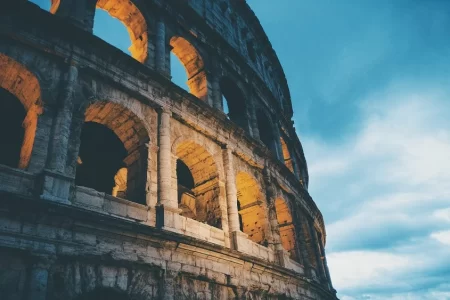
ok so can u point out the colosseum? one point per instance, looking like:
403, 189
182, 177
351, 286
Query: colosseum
115, 183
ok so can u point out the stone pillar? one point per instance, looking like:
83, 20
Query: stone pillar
325, 264
315, 243
63, 122
295, 164
165, 162
160, 47
272, 215
56, 183
151, 50
216, 100
301, 228
174, 177
233, 215
277, 140
37, 285
41, 140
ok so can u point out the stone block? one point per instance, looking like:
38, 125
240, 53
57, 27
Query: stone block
86, 197
85, 238
115, 208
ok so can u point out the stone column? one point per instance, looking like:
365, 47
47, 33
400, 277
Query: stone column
233, 215
56, 183
37, 285
160, 47
174, 177
325, 264
295, 164
216, 102
151, 50
272, 215
302, 230
63, 122
317, 254
277, 137
41, 140
165, 162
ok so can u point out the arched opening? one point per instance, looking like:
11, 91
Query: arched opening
250, 207
194, 66
266, 131
178, 72
12, 115
186, 194
130, 17
234, 102
100, 158
198, 184
127, 23
113, 153
19, 109
287, 230
286, 155
104, 294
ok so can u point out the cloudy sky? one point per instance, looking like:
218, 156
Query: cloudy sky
370, 83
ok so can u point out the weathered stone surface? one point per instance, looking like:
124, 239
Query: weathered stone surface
127, 223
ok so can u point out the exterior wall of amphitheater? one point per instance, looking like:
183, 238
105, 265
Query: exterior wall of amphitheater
247, 229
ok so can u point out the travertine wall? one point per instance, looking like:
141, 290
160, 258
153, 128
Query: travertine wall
63, 241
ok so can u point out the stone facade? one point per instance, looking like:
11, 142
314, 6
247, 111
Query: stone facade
125, 186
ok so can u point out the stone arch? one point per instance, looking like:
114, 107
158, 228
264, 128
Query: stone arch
23, 85
236, 102
252, 211
193, 64
286, 227
287, 158
122, 130
54, 6
130, 16
200, 203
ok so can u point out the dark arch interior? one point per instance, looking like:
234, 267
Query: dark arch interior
235, 101
265, 131
104, 294
101, 156
184, 175
12, 114
185, 180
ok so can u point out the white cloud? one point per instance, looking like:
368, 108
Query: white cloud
387, 194
442, 215
356, 269
442, 236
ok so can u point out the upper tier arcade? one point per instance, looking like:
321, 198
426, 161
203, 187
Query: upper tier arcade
116, 181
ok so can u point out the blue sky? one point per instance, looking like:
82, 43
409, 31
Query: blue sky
370, 85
